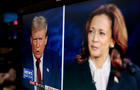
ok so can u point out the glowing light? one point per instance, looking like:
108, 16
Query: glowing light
9, 17
15, 22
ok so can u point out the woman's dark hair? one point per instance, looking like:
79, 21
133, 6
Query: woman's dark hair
119, 32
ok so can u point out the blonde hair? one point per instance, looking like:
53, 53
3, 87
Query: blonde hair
39, 23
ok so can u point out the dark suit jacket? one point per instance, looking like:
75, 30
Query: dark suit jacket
50, 61
78, 77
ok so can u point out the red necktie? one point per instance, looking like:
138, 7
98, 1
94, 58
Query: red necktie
38, 74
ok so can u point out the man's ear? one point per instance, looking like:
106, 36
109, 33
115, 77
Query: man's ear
46, 39
31, 39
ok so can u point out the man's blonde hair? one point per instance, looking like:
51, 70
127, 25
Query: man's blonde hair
39, 23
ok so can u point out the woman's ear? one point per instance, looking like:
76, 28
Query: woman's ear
112, 44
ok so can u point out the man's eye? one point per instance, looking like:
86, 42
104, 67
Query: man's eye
40, 38
34, 39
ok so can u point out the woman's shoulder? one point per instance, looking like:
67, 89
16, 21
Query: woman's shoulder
71, 67
74, 76
74, 69
132, 74
132, 69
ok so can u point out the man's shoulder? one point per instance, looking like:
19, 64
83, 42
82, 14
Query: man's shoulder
51, 57
50, 53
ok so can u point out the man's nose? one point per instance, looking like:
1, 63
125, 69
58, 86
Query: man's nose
38, 43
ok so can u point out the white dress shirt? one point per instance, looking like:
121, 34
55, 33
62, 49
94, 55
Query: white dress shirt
100, 76
35, 69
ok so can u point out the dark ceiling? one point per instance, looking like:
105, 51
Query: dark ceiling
14, 5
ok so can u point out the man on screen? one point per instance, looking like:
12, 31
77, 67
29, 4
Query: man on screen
43, 63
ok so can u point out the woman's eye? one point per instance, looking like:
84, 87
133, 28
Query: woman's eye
102, 33
90, 31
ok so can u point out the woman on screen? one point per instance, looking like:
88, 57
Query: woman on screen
101, 65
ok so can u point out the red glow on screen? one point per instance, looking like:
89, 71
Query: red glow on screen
15, 22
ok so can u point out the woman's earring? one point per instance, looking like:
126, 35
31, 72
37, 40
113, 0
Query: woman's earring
112, 46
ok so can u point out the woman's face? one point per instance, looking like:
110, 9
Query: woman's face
100, 36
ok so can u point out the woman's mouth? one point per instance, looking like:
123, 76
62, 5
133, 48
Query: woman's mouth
94, 47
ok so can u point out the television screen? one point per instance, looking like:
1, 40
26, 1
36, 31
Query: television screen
44, 43
86, 46
64, 42
77, 14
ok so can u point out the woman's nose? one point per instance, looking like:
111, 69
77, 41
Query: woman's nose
95, 37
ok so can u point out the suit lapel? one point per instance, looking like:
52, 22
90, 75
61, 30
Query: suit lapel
112, 85
88, 78
51, 75
87, 75
110, 81
47, 69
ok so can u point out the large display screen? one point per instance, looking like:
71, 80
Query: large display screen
64, 41
52, 53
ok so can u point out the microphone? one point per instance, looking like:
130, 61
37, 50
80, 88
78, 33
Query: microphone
42, 86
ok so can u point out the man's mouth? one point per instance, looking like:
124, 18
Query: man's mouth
37, 52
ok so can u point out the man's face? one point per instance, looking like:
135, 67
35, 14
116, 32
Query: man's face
38, 42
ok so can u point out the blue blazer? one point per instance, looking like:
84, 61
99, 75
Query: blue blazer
78, 77
51, 69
